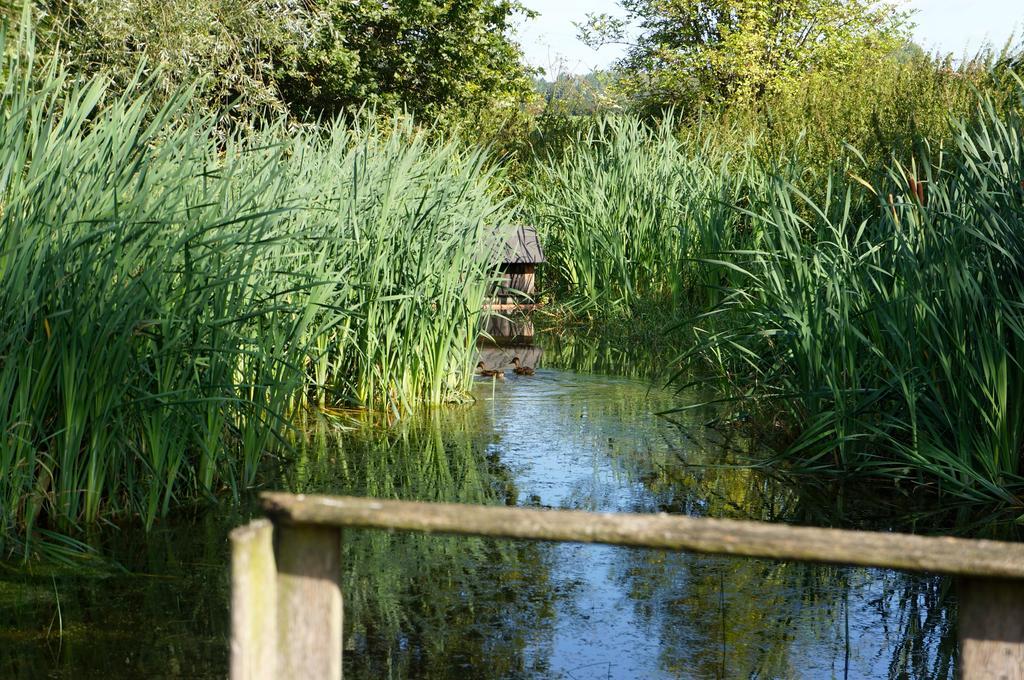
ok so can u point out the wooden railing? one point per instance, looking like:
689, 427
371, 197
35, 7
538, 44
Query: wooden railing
286, 601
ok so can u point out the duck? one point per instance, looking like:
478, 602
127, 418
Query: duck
520, 369
490, 372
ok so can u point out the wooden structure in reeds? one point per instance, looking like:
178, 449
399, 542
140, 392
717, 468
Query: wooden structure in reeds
517, 285
286, 600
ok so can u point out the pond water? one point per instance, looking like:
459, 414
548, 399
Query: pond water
439, 607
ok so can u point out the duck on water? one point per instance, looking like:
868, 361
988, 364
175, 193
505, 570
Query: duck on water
520, 368
490, 372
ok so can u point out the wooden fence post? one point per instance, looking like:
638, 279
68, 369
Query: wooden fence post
309, 625
308, 631
253, 602
991, 628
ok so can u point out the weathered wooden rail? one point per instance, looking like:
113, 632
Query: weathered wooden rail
286, 601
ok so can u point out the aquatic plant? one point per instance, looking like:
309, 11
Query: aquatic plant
406, 592
884, 320
169, 297
625, 211
867, 309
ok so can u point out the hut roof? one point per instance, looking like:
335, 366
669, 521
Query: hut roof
523, 246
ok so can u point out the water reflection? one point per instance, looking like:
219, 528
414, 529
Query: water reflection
507, 337
428, 606
580, 442
165, 617
422, 606
590, 350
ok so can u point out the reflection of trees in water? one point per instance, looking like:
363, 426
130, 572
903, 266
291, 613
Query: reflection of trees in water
778, 617
422, 606
415, 605
167, 616
430, 606
722, 617
438, 606
761, 618
924, 629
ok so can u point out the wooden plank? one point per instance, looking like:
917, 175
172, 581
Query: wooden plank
309, 614
942, 555
991, 629
511, 307
253, 602
523, 246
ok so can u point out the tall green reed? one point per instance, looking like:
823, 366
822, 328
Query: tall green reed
883, 317
628, 208
868, 304
169, 296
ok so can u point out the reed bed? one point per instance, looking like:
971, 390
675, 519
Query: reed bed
170, 297
626, 210
869, 315
886, 319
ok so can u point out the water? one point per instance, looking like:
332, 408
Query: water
419, 606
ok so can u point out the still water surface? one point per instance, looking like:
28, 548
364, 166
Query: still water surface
448, 607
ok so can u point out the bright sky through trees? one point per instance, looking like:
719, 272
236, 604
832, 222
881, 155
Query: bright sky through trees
947, 25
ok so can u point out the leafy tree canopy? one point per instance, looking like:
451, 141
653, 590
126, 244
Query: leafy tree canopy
426, 55
571, 94
309, 58
229, 44
694, 51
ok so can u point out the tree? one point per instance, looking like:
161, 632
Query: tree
228, 45
577, 95
312, 59
690, 52
425, 55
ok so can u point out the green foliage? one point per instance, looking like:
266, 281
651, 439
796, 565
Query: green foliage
578, 95
692, 52
311, 60
885, 320
628, 206
428, 56
229, 45
864, 305
882, 109
170, 297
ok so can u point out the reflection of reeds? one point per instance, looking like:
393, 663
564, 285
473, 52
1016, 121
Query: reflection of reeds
430, 456
417, 604
168, 298
414, 605
778, 619
635, 349
775, 619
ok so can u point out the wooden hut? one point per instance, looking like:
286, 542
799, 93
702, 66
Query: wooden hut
516, 287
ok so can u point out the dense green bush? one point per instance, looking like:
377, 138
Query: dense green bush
881, 110
257, 59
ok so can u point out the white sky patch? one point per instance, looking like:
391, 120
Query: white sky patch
957, 26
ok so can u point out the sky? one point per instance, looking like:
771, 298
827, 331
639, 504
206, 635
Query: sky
956, 26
